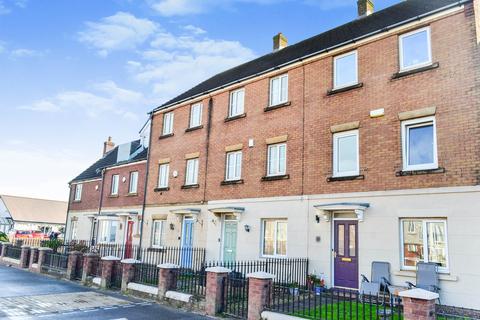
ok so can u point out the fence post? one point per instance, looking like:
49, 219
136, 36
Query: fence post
128, 272
72, 264
107, 271
24, 255
167, 278
259, 293
90, 262
41, 257
4, 248
33, 257
418, 304
215, 289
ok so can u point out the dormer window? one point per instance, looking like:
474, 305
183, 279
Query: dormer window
415, 49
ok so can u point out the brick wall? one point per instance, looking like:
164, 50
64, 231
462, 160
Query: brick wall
90, 196
124, 198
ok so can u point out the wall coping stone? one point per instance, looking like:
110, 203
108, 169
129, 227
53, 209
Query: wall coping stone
74, 252
91, 254
179, 296
420, 294
97, 281
261, 275
218, 270
130, 261
111, 258
45, 249
142, 288
168, 266
11, 260
269, 315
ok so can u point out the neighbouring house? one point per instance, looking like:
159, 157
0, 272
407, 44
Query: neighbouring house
106, 199
29, 214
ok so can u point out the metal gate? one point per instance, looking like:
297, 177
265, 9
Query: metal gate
235, 296
79, 268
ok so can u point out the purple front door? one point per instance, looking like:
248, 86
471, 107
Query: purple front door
346, 254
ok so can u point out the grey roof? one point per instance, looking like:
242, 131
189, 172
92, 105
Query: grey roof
380, 21
110, 159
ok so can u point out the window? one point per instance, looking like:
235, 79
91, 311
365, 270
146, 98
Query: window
277, 159
115, 180
345, 70
279, 90
78, 192
234, 166
345, 154
158, 233
237, 100
424, 241
415, 49
108, 231
191, 176
163, 173
274, 238
73, 229
167, 123
196, 115
419, 144
132, 188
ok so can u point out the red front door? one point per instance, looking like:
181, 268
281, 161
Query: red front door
128, 240
346, 254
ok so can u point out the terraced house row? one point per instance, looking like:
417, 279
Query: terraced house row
359, 144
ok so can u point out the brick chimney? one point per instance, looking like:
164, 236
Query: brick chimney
365, 8
108, 145
279, 42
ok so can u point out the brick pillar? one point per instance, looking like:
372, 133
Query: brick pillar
73, 257
259, 293
24, 256
418, 304
4, 248
90, 263
41, 257
167, 278
107, 271
33, 259
128, 272
215, 289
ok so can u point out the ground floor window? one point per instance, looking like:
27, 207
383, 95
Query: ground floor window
107, 231
274, 237
158, 233
73, 230
424, 240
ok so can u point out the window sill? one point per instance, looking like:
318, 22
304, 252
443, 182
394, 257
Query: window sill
191, 186
230, 182
76, 201
132, 195
277, 106
113, 196
273, 178
406, 73
344, 89
164, 136
445, 276
194, 128
403, 173
161, 189
346, 178
240, 116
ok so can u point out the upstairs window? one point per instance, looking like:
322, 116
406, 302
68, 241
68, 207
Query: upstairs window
167, 123
274, 238
419, 144
345, 154
191, 176
279, 90
345, 70
78, 192
234, 166
133, 187
158, 233
115, 181
415, 49
277, 159
163, 172
196, 115
237, 100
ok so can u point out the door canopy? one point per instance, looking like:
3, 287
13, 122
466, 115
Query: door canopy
327, 209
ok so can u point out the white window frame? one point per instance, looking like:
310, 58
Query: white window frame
425, 243
280, 77
233, 156
73, 229
167, 123
162, 178
196, 115
107, 229
115, 185
276, 221
194, 175
162, 233
336, 137
133, 182
234, 106
429, 45
277, 171
406, 139
78, 192
335, 59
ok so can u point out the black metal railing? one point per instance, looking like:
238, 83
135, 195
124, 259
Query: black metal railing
13, 252
191, 282
189, 258
333, 304
55, 262
235, 297
146, 274
79, 267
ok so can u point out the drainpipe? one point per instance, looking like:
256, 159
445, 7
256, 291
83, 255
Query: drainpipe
207, 147
68, 211
99, 207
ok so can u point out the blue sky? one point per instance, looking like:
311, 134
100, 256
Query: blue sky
74, 72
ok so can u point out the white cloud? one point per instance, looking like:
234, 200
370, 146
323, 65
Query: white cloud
4, 9
193, 29
25, 53
179, 7
118, 32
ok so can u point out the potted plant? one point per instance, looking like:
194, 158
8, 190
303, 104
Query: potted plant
319, 286
311, 279
293, 289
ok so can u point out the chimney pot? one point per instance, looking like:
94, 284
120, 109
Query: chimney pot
365, 7
279, 42
108, 145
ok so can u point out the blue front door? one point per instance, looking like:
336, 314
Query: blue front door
187, 243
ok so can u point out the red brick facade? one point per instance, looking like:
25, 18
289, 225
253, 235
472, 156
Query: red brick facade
90, 199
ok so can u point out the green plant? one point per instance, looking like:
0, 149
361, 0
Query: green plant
53, 244
3, 237
294, 285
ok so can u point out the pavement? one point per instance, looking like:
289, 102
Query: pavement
26, 295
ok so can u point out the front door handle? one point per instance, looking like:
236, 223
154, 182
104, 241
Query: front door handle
334, 253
